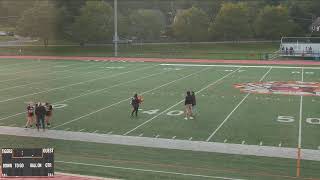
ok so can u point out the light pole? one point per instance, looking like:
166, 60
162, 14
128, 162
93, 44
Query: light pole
115, 38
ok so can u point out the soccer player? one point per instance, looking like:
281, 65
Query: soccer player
188, 106
40, 112
194, 103
30, 115
135, 102
48, 113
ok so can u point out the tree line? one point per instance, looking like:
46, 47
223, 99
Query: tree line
91, 21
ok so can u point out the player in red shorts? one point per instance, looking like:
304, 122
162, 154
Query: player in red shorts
30, 115
48, 113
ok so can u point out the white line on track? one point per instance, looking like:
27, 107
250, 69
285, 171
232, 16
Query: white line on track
174, 137
81, 130
149, 120
125, 100
229, 115
149, 170
70, 85
243, 142
237, 66
300, 113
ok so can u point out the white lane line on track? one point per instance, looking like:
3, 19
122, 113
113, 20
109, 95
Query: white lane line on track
150, 171
229, 115
149, 120
70, 85
125, 100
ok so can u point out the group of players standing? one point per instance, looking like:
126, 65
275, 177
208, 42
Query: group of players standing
42, 112
190, 105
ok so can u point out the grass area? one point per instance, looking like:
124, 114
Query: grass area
7, 38
115, 158
202, 51
95, 96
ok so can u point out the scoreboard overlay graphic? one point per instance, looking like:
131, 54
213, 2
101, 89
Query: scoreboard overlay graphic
27, 162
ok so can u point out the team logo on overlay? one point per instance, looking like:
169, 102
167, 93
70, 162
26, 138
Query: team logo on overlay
298, 88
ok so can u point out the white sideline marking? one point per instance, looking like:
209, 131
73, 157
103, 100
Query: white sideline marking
237, 66
201, 146
173, 137
70, 85
178, 103
140, 135
229, 115
66, 129
157, 136
309, 72
300, 113
149, 170
81, 95
260, 143
243, 142
110, 132
225, 140
82, 130
125, 100
190, 139
95, 131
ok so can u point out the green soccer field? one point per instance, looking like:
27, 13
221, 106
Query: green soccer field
94, 97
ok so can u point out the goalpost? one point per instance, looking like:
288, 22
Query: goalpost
302, 47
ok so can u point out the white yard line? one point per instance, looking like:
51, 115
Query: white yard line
149, 120
70, 85
242, 66
92, 92
229, 115
125, 100
40, 82
149, 170
300, 113
54, 72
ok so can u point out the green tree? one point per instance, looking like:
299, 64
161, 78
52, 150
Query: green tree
40, 21
95, 23
273, 22
232, 22
147, 24
191, 25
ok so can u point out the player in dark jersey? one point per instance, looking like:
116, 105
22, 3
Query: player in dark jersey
40, 112
30, 115
188, 106
48, 113
135, 102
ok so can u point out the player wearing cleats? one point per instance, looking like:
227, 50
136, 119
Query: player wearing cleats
135, 102
30, 115
48, 113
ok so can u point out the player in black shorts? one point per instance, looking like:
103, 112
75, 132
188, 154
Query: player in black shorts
188, 106
30, 115
135, 102
40, 112
48, 113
